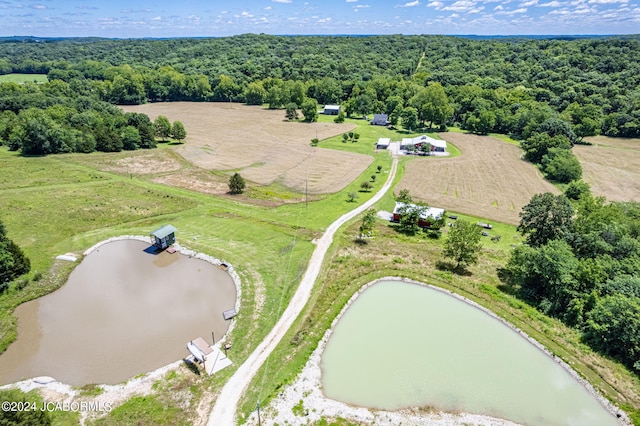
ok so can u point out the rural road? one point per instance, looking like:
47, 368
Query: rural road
224, 410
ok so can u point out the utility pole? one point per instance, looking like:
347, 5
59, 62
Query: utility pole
306, 193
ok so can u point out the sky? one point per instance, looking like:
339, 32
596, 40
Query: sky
203, 18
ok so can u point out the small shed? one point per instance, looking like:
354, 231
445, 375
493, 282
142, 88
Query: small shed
426, 218
380, 120
383, 143
164, 236
331, 110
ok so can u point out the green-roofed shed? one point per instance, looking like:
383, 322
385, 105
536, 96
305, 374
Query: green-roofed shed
164, 236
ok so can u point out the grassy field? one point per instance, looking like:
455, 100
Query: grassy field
66, 203
23, 78
488, 179
611, 166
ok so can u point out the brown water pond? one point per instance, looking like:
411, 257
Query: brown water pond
123, 311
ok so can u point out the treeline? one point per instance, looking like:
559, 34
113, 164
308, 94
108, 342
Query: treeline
59, 117
581, 263
503, 86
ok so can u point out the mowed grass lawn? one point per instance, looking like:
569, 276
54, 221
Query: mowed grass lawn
23, 78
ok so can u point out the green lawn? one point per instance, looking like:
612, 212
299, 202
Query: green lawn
23, 78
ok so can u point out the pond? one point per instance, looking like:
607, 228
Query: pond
123, 311
407, 345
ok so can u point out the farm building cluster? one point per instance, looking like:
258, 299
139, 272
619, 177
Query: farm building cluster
420, 145
427, 217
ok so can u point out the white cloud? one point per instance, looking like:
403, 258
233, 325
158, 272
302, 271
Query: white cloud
352, 1
157, 18
529, 3
437, 4
362, 6
39, 6
324, 20
411, 4
268, 8
553, 3
246, 14
498, 7
607, 1
282, 1
513, 12
461, 6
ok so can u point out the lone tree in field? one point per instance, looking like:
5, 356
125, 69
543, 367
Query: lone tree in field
178, 131
291, 111
236, 184
366, 186
162, 127
463, 243
310, 110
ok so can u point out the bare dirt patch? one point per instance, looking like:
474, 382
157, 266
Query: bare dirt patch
261, 145
611, 166
132, 162
489, 179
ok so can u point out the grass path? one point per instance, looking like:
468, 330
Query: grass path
224, 410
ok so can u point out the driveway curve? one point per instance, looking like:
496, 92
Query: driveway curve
224, 410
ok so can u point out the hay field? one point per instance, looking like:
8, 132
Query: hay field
488, 179
611, 166
260, 145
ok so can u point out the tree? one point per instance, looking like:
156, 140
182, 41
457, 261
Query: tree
178, 131
310, 110
546, 217
351, 197
410, 118
368, 223
561, 165
545, 275
538, 145
410, 218
379, 168
404, 197
162, 127
236, 184
613, 328
13, 261
340, 118
366, 186
130, 138
463, 243
255, 94
576, 189
291, 111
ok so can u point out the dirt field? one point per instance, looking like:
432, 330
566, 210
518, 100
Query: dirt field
611, 166
488, 180
260, 145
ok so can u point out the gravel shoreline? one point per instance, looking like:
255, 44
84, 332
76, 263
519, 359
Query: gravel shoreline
308, 388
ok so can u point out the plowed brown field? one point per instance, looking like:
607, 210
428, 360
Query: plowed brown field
260, 145
611, 166
488, 179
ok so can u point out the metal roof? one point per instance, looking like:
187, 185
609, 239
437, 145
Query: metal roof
164, 231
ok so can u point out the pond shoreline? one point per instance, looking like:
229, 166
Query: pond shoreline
308, 387
142, 384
